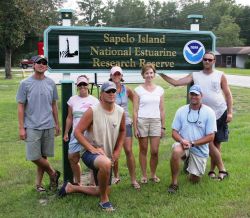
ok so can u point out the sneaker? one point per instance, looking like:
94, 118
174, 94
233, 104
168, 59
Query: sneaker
54, 181
172, 189
107, 206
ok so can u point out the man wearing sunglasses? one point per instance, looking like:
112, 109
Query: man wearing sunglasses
193, 127
38, 117
102, 143
216, 95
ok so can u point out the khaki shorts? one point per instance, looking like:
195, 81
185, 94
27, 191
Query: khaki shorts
149, 126
196, 164
39, 143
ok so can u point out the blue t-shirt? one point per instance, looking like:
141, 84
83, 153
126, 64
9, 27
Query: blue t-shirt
195, 124
37, 96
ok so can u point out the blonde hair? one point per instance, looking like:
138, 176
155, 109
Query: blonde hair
145, 67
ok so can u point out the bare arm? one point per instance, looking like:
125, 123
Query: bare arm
187, 143
180, 82
120, 139
162, 114
84, 123
228, 97
135, 114
20, 111
55, 115
69, 121
130, 94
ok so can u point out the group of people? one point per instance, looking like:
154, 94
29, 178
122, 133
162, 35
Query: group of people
102, 127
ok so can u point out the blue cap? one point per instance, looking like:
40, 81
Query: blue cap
195, 89
108, 86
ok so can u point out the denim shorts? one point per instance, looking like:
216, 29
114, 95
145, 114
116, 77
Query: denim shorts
88, 159
74, 145
129, 132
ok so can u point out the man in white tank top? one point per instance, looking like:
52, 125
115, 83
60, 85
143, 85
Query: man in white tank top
105, 133
217, 95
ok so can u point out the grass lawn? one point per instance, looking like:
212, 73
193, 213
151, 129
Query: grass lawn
230, 198
235, 71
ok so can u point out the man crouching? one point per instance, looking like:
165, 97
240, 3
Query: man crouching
102, 143
193, 127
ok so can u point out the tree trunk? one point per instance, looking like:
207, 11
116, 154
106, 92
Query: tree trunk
8, 74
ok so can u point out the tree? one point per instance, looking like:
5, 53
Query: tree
18, 18
92, 11
153, 14
228, 32
129, 13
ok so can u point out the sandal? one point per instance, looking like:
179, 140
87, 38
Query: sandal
136, 185
40, 188
173, 188
155, 179
144, 180
224, 176
211, 174
116, 180
107, 206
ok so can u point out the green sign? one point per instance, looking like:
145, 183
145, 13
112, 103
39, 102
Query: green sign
92, 49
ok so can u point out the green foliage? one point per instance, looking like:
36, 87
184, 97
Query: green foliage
247, 64
228, 32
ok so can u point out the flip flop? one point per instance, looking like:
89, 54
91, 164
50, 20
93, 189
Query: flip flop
40, 188
107, 206
62, 191
155, 179
144, 180
116, 180
225, 175
136, 185
211, 174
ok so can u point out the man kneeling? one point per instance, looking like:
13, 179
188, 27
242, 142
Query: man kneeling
193, 128
102, 143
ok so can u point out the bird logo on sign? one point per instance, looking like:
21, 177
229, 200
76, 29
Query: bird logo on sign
193, 51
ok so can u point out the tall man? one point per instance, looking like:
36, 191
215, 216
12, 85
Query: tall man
193, 128
217, 95
102, 142
38, 116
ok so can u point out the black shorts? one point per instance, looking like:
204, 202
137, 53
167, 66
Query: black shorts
222, 129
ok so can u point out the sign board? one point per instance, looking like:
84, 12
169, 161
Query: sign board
93, 49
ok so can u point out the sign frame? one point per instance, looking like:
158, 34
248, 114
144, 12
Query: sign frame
122, 30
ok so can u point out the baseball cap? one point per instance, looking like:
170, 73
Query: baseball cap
82, 79
38, 58
195, 89
108, 86
115, 69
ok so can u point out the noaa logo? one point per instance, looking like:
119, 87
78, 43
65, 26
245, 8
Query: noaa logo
193, 51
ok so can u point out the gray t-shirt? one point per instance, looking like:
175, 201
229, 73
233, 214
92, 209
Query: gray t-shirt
37, 96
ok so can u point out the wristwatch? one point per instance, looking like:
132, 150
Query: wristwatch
192, 144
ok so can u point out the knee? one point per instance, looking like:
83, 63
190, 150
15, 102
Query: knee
154, 154
194, 179
73, 159
128, 152
105, 165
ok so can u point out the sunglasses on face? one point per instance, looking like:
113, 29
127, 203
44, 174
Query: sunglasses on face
42, 62
207, 59
110, 91
82, 84
193, 94
117, 74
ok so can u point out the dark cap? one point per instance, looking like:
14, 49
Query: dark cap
108, 86
38, 58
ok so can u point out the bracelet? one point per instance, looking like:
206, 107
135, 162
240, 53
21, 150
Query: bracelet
163, 128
